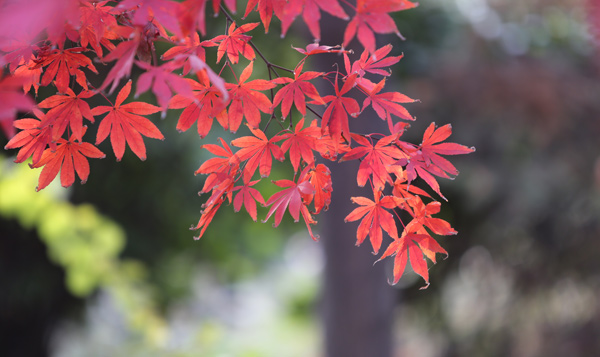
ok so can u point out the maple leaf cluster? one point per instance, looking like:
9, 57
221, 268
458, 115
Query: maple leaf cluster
57, 43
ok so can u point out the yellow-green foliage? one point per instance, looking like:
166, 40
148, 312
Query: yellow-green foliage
82, 241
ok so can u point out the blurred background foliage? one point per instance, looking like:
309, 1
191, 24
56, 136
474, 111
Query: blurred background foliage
110, 267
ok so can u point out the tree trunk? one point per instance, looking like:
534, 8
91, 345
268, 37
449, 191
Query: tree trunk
357, 301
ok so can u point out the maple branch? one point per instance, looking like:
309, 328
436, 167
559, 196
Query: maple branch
228, 64
154, 58
349, 4
313, 111
101, 92
270, 66
280, 67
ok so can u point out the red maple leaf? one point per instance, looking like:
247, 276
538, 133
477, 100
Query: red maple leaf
386, 104
69, 156
124, 53
32, 139
372, 16
330, 150
312, 15
257, 150
287, 11
190, 46
335, 117
30, 75
199, 65
301, 143
431, 150
414, 246
67, 109
96, 26
372, 63
315, 48
265, 9
208, 213
320, 178
246, 100
291, 199
163, 82
422, 218
375, 218
402, 188
207, 104
62, 64
376, 161
125, 125
17, 51
193, 15
248, 196
26, 19
165, 11
13, 100
235, 43
295, 89
425, 160
218, 168
231, 4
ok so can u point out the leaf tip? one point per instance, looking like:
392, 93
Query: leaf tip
400, 35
